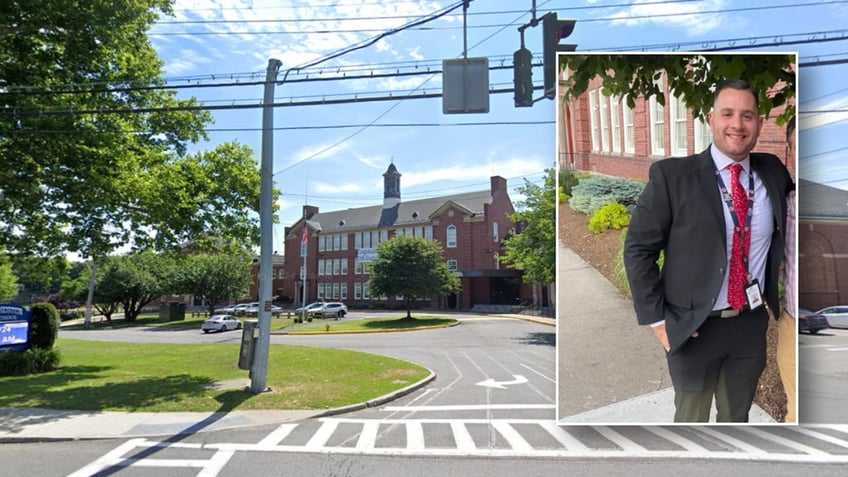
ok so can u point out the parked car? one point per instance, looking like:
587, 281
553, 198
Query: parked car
811, 322
225, 310
253, 309
333, 308
241, 308
837, 316
308, 308
220, 323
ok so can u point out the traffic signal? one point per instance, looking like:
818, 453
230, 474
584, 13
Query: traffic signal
553, 31
522, 65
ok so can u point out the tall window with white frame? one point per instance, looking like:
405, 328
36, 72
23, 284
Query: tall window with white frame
593, 121
657, 118
703, 135
679, 146
604, 113
450, 239
629, 129
615, 123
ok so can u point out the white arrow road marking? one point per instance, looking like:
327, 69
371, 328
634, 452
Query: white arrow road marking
491, 383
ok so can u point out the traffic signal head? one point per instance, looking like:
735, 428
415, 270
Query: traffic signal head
553, 31
522, 65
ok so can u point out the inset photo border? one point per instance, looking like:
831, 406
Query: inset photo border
617, 115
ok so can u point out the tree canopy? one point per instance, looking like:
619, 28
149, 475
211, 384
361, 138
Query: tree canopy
216, 278
691, 76
99, 146
533, 248
413, 268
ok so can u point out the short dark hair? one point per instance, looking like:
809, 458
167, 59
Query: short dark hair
739, 85
790, 128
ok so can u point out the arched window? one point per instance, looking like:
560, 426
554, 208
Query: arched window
451, 236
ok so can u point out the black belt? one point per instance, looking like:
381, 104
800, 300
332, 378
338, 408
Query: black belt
727, 313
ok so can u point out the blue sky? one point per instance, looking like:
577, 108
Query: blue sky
324, 155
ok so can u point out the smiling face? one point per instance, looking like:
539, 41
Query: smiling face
735, 123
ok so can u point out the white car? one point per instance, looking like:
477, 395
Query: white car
242, 308
220, 323
837, 316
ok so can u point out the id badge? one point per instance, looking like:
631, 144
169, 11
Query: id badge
755, 298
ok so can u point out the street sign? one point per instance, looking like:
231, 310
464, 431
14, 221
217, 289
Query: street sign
365, 255
465, 86
14, 327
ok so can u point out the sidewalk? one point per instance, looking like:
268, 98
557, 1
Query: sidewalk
610, 369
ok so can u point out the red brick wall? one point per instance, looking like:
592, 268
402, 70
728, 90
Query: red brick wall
822, 264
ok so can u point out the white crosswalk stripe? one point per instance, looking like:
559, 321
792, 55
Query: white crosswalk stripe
371, 437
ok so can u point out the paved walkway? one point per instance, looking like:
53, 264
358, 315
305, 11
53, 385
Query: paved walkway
611, 370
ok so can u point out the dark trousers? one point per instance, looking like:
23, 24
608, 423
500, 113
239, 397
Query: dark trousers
725, 361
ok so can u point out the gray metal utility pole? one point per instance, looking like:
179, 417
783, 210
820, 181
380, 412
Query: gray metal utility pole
259, 368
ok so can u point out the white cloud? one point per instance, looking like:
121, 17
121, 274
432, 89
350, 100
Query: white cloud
325, 188
817, 120
476, 171
685, 16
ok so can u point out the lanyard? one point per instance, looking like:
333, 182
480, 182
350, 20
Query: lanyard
738, 232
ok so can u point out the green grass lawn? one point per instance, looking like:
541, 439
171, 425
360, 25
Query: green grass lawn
105, 376
377, 324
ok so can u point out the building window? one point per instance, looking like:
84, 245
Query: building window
384, 235
357, 240
451, 236
452, 265
604, 111
615, 121
629, 130
678, 127
335, 291
657, 112
593, 120
344, 241
343, 292
320, 291
321, 246
321, 267
357, 267
357, 291
337, 241
495, 237
428, 232
365, 291
337, 266
344, 266
703, 135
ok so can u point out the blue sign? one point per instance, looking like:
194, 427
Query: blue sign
14, 327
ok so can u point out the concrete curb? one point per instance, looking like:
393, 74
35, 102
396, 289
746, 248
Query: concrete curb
380, 400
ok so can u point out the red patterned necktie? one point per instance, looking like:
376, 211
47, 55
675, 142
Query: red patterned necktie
738, 279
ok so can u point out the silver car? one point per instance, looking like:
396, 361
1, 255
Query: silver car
331, 308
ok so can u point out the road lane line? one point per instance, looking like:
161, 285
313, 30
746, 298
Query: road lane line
415, 435
567, 440
471, 407
623, 442
277, 436
728, 439
368, 436
539, 373
464, 442
795, 445
820, 436
110, 459
322, 435
677, 439
512, 436
217, 463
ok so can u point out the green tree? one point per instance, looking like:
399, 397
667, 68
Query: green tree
134, 281
413, 268
533, 248
691, 76
8, 280
41, 274
100, 145
217, 278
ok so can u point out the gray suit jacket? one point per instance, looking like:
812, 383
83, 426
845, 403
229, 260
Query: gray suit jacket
680, 213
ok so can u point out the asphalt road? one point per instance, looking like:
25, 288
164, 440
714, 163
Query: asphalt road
823, 377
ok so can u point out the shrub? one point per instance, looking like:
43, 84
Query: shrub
610, 216
45, 326
567, 180
33, 360
593, 193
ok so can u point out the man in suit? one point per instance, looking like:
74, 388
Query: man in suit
707, 304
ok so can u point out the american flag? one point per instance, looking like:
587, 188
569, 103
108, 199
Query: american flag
305, 237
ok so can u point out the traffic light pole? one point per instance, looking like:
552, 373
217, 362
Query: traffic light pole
259, 367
